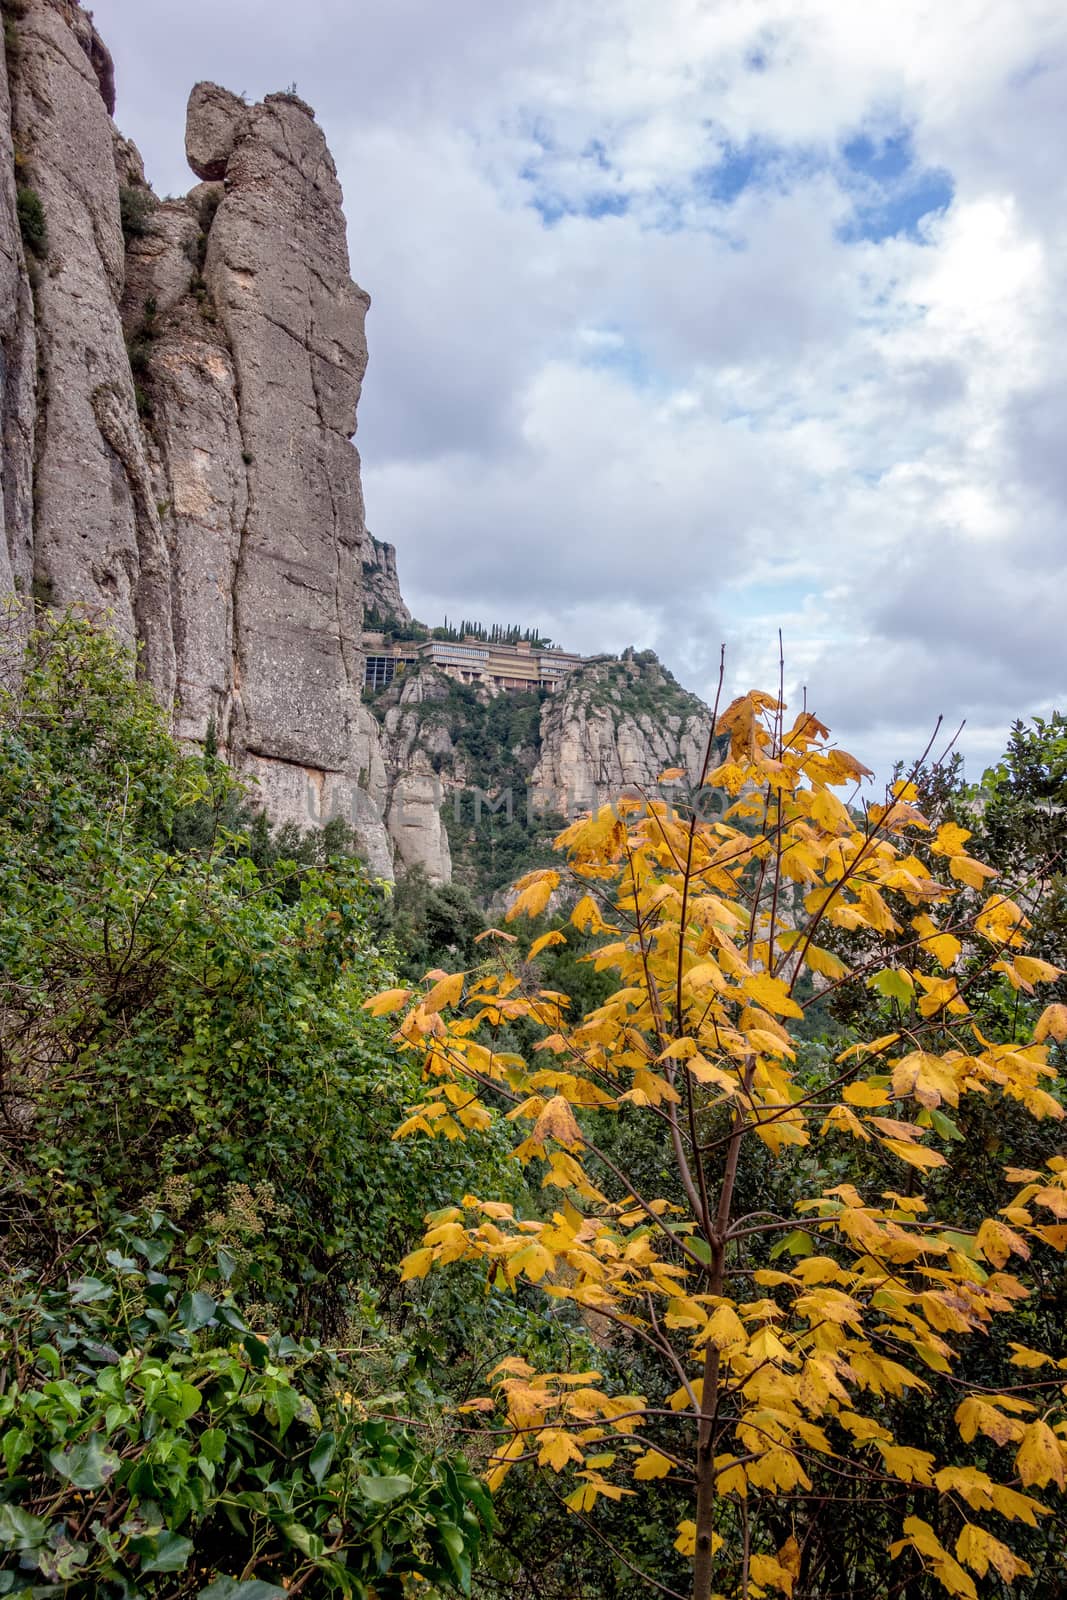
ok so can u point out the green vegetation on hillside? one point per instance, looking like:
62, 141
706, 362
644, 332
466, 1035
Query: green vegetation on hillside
214, 1380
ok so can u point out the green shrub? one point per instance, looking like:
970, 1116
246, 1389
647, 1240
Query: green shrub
136, 207
33, 224
150, 1434
181, 1004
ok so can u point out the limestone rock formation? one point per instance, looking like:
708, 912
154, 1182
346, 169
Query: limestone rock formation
381, 585
178, 392
505, 771
617, 724
179, 384
95, 534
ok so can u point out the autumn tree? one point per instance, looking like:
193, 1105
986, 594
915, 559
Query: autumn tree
787, 1338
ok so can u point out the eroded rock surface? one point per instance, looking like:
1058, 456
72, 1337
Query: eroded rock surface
96, 534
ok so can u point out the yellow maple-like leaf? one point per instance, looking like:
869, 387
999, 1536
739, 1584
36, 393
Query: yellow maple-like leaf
1041, 1457
825, 963
910, 1466
651, 1465
587, 918
557, 1447
864, 1094
390, 1000
502, 1461
770, 1572
916, 1155
1031, 970
445, 992
1024, 1357
998, 1242
978, 1548
725, 1329
536, 890
772, 994
1052, 1024
556, 1121
416, 1265
970, 872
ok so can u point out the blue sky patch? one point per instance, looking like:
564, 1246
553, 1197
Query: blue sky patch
892, 191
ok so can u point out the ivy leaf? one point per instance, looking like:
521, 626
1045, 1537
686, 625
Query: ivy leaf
196, 1310
381, 1490
321, 1456
234, 1589
86, 1466
170, 1552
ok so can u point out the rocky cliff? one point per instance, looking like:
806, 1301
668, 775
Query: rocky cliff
503, 772
179, 382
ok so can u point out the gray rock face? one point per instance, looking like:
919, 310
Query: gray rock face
97, 538
200, 479
381, 585
277, 270
18, 378
616, 724
211, 129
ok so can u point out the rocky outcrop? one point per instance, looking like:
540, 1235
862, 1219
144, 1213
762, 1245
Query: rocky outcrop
178, 394
96, 535
616, 724
179, 384
498, 774
381, 586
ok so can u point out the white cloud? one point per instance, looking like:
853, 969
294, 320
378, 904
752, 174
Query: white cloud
683, 407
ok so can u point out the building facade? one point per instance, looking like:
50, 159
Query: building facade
469, 660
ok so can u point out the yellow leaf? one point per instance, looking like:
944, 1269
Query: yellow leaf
1041, 1457
416, 1265
502, 1461
980, 1551
1031, 970
536, 890
651, 1465
725, 1329
545, 942
1052, 1024
975, 1415
966, 870
557, 1448
445, 992
910, 1466
916, 1155
772, 994
557, 1122
997, 1242
380, 1005
825, 963
864, 1094
769, 1571
586, 916
1023, 1357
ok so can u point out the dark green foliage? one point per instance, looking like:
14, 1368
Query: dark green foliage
150, 1434
136, 207
497, 633
496, 828
1020, 814
33, 224
384, 622
182, 1005
430, 925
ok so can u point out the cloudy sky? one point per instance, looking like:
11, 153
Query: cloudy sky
694, 319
